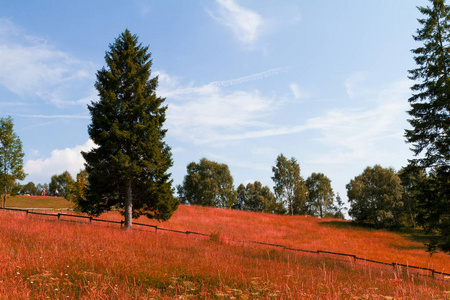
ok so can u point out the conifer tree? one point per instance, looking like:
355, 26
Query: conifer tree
430, 105
430, 112
129, 167
11, 157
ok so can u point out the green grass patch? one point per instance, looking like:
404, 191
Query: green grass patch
38, 202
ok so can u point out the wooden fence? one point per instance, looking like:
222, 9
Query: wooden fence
397, 266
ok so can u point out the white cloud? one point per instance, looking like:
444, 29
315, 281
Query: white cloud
210, 113
31, 66
204, 115
60, 160
246, 24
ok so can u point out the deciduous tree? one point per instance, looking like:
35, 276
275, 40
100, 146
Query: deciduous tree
289, 186
29, 188
129, 168
321, 194
375, 196
11, 157
61, 185
208, 183
256, 197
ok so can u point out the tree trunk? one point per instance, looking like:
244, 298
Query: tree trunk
128, 205
4, 198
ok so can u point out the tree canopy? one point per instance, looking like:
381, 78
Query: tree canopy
430, 103
208, 183
430, 119
289, 186
61, 185
129, 168
320, 199
256, 197
11, 157
375, 196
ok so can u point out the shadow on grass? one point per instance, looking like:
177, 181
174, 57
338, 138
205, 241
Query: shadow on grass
413, 234
348, 225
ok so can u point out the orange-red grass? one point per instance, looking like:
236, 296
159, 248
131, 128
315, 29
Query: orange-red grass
305, 233
62, 260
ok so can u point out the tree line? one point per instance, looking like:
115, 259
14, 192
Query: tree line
62, 185
378, 196
209, 183
129, 168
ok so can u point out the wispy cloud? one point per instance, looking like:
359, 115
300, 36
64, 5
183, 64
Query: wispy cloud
252, 77
245, 23
206, 118
357, 134
299, 92
213, 112
170, 86
212, 115
144, 7
76, 116
354, 83
32, 67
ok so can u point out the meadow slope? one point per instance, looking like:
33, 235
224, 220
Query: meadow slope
41, 258
302, 232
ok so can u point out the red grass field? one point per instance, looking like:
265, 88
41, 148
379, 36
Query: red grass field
40, 258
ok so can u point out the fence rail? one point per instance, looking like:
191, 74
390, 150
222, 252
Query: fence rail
395, 265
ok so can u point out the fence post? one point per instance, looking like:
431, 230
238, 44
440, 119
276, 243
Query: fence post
121, 223
27, 212
394, 265
59, 215
432, 273
90, 219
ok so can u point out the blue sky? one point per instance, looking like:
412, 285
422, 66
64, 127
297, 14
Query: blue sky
322, 81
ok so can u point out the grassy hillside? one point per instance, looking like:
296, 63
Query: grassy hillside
304, 232
37, 202
67, 260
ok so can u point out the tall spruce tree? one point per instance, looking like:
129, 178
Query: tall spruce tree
11, 157
430, 104
430, 118
129, 167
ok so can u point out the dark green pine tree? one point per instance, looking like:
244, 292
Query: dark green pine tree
430, 112
129, 168
430, 104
